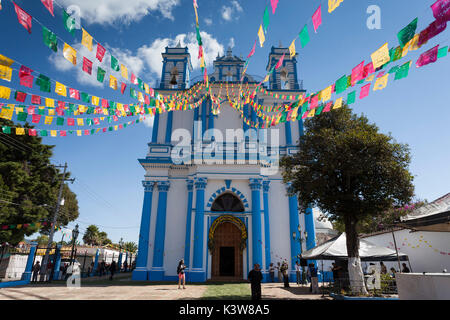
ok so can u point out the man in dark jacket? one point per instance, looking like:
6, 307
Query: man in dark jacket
255, 278
112, 269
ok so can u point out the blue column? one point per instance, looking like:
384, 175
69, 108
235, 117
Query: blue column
94, 270
287, 127
119, 263
140, 273
255, 186
198, 273
204, 116
57, 262
266, 187
157, 271
155, 128
310, 231
28, 269
300, 127
293, 227
187, 242
169, 126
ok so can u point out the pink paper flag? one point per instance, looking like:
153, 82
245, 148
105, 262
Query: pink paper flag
32, 132
26, 79
30, 110
74, 94
100, 52
35, 99
280, 62
368, 69
35, 118
380, 74
441, 10
274, 4
365, 91
87, 65
70, 121
87, 132
253, 51
328, 107
104, 129
123, 87
357, 73
23, 17
49, 5
317, 18
63, 133
428, 57
314, 102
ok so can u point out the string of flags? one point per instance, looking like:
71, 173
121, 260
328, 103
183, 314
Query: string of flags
426, 244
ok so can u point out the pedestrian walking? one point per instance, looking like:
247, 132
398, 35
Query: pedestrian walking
181, 274
272, 272
112, 269
35, 269
284, 270
255, 278
125, 266
280, 274
298, 273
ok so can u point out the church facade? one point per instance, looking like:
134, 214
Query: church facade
220, 217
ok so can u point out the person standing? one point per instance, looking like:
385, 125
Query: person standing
284, 271
272, 272
314, 278
36, 268
405, 268
181, 274
255, 278
383, 268
280, 273
298, 273
112, 269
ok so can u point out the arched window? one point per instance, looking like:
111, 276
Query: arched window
173, 78
284, 78
227, 203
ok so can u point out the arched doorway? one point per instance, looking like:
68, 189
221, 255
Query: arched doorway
227, 239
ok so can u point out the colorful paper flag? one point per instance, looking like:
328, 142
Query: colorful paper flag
357, 73
292, 52
87, 65
23, 17
5, 73
49, 5
280, 62
381, 83
304, 36
253, 51
115, 64
317, 18
407, 33
274, 4
70, 54
60, 89
261, 36
113, 82
86, 40
266, 19
333, 4
441, 10
5, 92
428, 57
50, 39
381, 56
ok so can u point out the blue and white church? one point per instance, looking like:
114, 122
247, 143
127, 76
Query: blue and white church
220, 218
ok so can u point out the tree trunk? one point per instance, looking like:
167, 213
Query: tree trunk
355, 273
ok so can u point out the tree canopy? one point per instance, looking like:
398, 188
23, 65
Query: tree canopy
29, 186
93, 236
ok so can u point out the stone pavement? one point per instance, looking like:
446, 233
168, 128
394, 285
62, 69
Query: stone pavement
127, 290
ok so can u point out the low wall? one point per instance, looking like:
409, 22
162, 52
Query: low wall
417, 286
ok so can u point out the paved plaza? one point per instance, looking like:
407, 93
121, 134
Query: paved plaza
124, 289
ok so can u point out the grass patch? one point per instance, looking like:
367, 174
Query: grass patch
227, 291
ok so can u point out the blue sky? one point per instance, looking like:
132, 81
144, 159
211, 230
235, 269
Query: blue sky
109, 190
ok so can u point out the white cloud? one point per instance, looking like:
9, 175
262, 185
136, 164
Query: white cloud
121, 11
230, 12
231, 43
208, 21
152, 53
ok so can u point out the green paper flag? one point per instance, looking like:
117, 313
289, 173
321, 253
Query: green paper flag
100, 75
141, 83
110, 129
133, 93
115, 64
44, 133
266, 20
199, 38
69, 23
351, 98
442, 52
60, 121
304, 36
6, 129
22, 116
41, 112
341, 84
44, 83
85, 97
402, 71
407, 33
89, 122
50, 39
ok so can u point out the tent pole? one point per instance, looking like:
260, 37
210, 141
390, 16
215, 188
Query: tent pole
410, 268
396, 250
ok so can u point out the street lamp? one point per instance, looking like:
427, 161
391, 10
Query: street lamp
75, 234
300, 240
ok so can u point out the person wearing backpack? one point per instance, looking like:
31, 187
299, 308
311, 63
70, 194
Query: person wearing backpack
181, 275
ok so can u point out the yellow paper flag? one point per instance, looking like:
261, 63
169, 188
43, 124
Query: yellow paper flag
381, 83
51, 112
60, 89
48, 120
326, 94
292, 49
80, 122
95, 100
381, 56
5, 73
70, 54
7, 112
312, 113
124, 71
86, 40
20, 131
261, 36
49, 103
333, 4
79, 133
337, 103
5, 92
5, 61
113, 82
53, 133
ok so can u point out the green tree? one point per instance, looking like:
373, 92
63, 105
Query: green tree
29, 185
41, 240
130, 246
350, 171
91, 236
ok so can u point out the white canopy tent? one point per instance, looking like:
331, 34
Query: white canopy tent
336, 249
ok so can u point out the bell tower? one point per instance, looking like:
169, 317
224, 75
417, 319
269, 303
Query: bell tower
176, 68
284, 78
